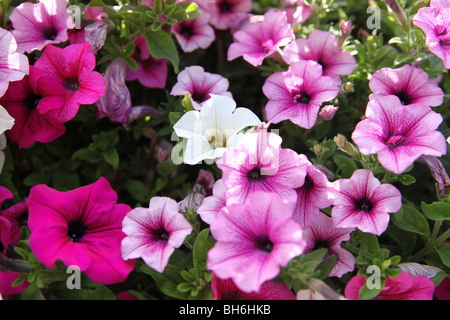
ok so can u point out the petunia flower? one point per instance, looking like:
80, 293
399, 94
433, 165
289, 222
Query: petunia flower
225, 13
151, 72
6, 121
81, 227
410, 84
322, 47
200, 85
399, 134
363, 202
211, 205
435, 23
297, 11
38, 24
154, 233
13, 65
256, 41
194, 34
254, 240
227, 290
73, 67
323, 234
34, 102
213, 129
298, 93
94, 14
116, 103
316, 193
402, 287
260, 164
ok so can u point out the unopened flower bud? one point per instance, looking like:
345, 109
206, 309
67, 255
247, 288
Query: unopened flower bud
162, 18
318, 150
438, 172
347, 87
346, 146
162, 154
346, 28
191, 202
95, 33
328, 112
398, 11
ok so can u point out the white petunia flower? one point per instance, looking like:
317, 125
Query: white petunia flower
6, 123
214, 129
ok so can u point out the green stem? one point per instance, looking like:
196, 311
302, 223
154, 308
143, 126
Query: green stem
433, 242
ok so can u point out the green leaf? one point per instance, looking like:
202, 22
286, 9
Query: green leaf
128, 49
200, 250
161, 46
174, 117
136, 188
112, 157
34, 179
185, 287
345, 164
436, 210
91, 156
392, 273
326, 266
157, 6
406, 179
368, 242
32, 292
111, 46
444, 253
408, 218
131, 63
366, 294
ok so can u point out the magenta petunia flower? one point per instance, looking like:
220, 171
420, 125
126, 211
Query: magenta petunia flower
323, 234
254, 240
81, 227
213, 204
322, 47
194, 34
260, 164
298, 93
152, 73
73, 67
226, 13
227, 290
33, 102
256, 41
200, 85
153, 234
402, 287
363, 202
315, 194
399, 134
38, 24
13, 65
435, 23
411, 85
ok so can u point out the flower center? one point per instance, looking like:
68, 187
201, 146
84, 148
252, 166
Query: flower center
323, 64
225, 6
161, 235
404, 97
395, 141
199, 97
321, 244
268, 46
77, 230
216, 138
255, 175
187, 31
308, 185
32, 101
71, 84
302, 97
231, 295
364, 204
263, 243
442, 34
50, 33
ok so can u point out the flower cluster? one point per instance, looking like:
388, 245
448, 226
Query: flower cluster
200, 149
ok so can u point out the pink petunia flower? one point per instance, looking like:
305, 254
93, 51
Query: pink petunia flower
297, 11
73, 67
194, 34
298, 93
254, 240
411, 85
33, 103
81, 227
402, 287
323, 234
94, 14
322, 47
225, 13
435, 23
256, 41
38, 24
151, 72
13, 65
200, 85
363, 202
227, 290
315, 194
213, 204
260, 164
153, 234
399, 134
